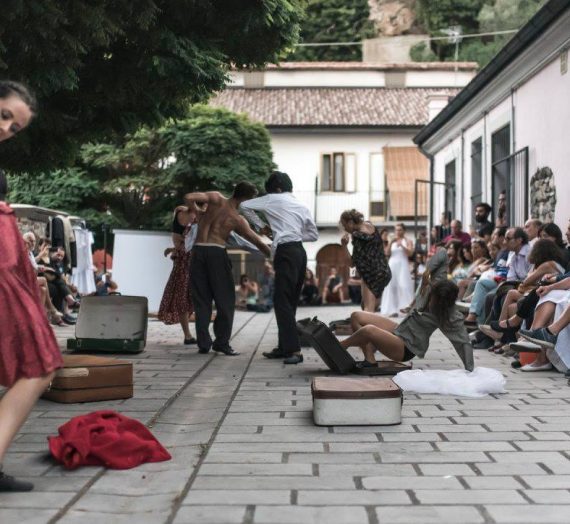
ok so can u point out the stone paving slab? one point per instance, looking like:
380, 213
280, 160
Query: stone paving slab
245, 449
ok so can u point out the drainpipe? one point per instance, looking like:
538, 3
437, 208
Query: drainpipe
462, 174
431, 194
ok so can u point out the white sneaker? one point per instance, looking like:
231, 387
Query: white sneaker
532, 367
463, 306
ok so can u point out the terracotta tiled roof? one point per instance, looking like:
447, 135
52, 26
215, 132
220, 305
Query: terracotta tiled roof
325, 107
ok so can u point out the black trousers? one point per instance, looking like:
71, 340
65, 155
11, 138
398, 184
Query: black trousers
290, 264
58, 290
211, 278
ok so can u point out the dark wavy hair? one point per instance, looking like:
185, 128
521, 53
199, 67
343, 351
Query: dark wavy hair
9, 88
459, 258
442, 299
544, 250
352, 214
552, 230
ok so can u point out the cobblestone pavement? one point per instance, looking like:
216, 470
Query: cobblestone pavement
245, 449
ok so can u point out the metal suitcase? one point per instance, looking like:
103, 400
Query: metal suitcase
111, 324
325, 343
356, 401
86, 378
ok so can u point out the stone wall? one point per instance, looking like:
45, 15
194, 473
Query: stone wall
543, 195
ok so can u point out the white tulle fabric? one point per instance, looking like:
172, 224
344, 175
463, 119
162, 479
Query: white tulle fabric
458, 382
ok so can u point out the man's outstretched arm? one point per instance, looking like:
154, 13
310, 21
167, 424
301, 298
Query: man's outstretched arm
246, 232
201, 198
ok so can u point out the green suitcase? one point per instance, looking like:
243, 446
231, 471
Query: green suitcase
110, 324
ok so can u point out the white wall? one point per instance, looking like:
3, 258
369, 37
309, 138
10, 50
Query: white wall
542, 120
139, 265
299, 155
353, 78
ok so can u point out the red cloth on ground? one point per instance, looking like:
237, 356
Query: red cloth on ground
28, 348
105, 438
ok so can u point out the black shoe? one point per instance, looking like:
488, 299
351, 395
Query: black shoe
69, 320
484, 344
190, 341
516, 364
228, 350
203, 350
274, 353
294, 359
8, 483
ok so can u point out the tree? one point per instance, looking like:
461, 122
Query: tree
334, 21
474, 16
143, 179
101, 68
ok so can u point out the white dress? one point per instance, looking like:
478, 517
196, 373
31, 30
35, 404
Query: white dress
400, 291
82, 276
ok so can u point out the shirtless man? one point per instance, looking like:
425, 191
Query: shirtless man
210, 268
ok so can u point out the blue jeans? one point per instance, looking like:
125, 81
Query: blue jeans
483, 286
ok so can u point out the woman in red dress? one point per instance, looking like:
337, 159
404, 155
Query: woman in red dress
29, 353
176, 304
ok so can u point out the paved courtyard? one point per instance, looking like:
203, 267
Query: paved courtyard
245, 449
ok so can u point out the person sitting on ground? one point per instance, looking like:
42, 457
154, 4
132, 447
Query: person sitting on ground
105, 285
332, 291
457, 263
354, 285
484, 227
60, 293
247, 292
422, 244
545, 257
267, 286
457, 233
310, 291
409, 339
54, 316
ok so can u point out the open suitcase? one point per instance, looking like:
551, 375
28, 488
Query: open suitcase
86, 378
111, 324
356, 401
325, 343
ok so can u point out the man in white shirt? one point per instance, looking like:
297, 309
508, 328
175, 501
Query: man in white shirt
291, 224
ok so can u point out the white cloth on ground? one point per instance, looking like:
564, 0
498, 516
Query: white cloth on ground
475, 384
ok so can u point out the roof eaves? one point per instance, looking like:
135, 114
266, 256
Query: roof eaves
527, 34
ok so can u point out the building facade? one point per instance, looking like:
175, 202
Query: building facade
344, 132
507, 129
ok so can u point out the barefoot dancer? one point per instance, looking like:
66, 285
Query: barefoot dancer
29, 354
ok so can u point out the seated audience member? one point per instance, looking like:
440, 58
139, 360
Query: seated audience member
546, 327
546, 258
552, 232
355, 287
401, 342
481, 262
532, 229
247, 293
419, 265
60, 293
310, 291
484, 227
54, 316
105, 286
457, 233
332, 290
515, 268
266, 286
443, 229
457, 268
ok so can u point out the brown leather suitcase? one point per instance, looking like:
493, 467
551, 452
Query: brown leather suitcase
86, 378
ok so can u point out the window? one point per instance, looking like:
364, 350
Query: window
500, 151
450, 187
338, 172
476, 173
